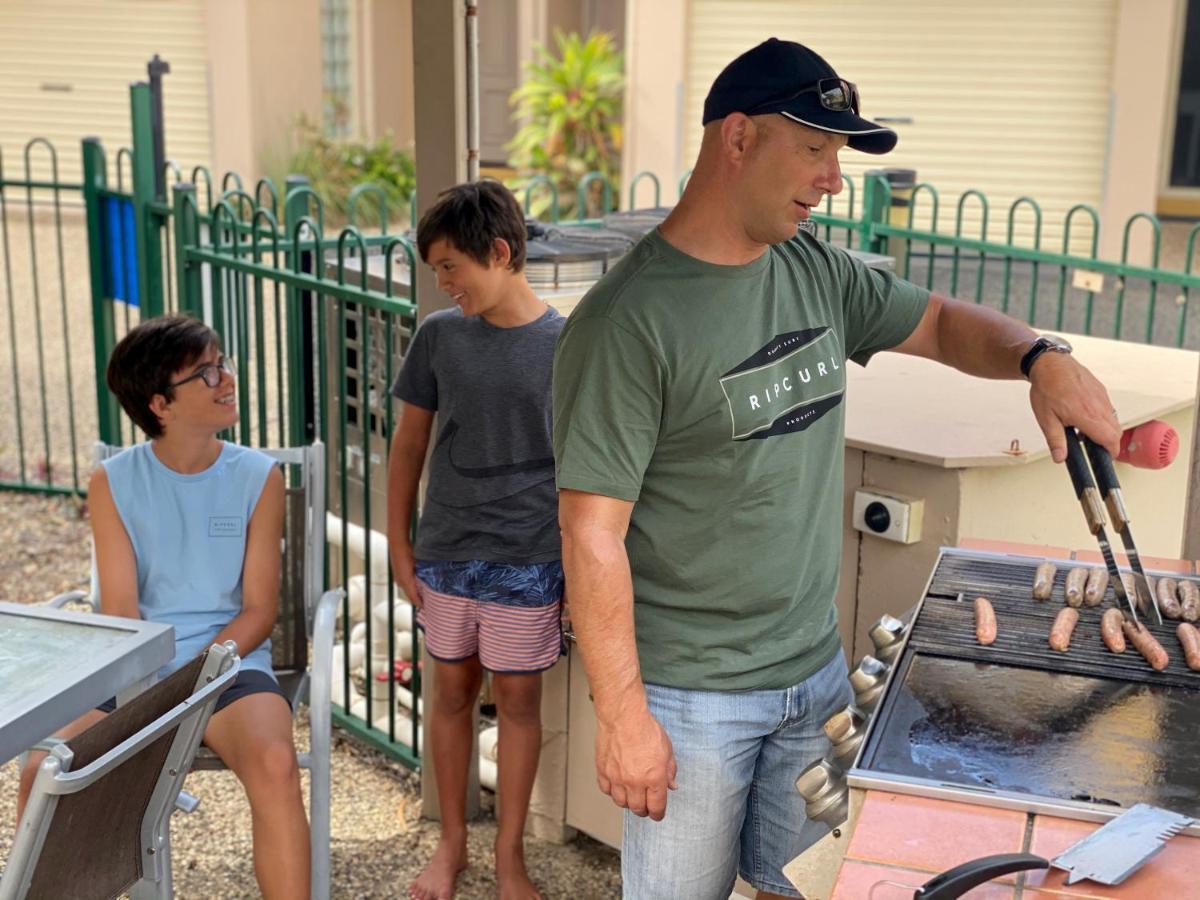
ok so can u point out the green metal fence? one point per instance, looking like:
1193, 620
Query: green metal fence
317, 325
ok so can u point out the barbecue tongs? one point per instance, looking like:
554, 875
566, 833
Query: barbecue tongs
1093, 510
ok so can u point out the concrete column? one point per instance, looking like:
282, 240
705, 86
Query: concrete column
655, 68
440, 120
1142, 74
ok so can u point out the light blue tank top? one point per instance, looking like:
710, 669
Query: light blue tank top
189, 538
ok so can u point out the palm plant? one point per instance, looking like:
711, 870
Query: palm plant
570, 109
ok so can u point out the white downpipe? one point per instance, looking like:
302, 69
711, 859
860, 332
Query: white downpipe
472, 33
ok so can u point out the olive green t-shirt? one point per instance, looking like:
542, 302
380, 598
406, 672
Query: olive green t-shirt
712, 396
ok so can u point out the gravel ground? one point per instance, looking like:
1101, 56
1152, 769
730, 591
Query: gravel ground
379, 840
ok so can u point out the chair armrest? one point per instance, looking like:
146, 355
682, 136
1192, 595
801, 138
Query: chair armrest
61, 600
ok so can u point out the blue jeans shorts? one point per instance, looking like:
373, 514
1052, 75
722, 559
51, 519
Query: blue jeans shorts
736, 809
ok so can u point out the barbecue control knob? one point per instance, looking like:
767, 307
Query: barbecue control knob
888, 637
844, 725
826, 795
868, 681
846, 731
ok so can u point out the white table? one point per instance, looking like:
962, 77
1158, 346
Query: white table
55, 665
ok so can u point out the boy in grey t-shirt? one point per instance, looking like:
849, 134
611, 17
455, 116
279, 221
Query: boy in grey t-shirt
485, 572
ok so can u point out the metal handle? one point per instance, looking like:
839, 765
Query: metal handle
1106, 480
1085, 486
957, 881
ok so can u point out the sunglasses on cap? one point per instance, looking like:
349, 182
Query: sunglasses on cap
210, 374
834, 94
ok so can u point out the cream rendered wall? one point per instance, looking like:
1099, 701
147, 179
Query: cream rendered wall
386, 54
1145, 67
655, 69
264, 61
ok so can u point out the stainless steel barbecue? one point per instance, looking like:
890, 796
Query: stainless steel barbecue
1083, 734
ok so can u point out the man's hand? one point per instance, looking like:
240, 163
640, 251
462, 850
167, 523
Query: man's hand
635, 764
404, 568
1062, 392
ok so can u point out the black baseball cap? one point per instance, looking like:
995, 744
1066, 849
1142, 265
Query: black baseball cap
787, 78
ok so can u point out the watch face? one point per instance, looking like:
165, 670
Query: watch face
1058, 343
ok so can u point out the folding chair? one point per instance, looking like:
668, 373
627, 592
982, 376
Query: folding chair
305, 614
95, 825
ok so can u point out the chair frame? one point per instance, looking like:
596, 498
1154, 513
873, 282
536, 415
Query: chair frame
55, 779
320, 615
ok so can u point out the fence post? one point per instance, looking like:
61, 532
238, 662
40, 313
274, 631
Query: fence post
874, 212
187, 272
147, 222
104, 333
301, 408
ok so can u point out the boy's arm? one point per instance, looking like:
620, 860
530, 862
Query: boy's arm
116, 566
260, 570
405, 461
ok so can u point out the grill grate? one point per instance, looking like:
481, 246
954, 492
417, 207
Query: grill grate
946, 627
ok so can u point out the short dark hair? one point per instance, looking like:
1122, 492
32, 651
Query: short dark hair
143, 362
470, 217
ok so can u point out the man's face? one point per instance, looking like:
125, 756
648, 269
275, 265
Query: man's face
788, 173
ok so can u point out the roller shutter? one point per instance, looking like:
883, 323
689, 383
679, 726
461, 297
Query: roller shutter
66, 66
1010, 98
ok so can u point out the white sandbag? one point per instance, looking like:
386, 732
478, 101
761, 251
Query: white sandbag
489, 743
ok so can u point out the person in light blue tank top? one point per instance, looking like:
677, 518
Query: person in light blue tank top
187, 531
188, 534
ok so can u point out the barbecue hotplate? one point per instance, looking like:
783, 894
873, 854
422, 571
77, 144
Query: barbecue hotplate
1082, 734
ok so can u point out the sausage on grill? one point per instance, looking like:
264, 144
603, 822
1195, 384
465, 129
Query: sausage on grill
985, 621
1146, 644
1043, 581
1074, 587
1063, 627
1189, 638
1097, 585
1168, 601
1189, 600
1110, 630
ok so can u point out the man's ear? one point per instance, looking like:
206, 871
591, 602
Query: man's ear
738, 135
501, 253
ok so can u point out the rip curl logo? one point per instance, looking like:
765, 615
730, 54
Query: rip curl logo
786, 386
224, 526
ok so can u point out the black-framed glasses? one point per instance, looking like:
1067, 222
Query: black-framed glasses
834, 94
210, 374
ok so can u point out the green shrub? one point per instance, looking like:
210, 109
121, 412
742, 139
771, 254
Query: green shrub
334, 167
570, 109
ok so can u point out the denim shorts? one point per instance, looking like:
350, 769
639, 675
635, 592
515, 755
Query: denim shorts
736, 809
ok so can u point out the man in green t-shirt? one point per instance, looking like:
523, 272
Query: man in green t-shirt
698, 439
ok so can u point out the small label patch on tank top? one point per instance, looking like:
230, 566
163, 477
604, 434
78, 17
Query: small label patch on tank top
224, 526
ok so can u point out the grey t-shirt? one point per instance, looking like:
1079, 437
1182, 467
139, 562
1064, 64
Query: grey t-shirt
491, 493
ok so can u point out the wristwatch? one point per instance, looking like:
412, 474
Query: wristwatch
1046, 343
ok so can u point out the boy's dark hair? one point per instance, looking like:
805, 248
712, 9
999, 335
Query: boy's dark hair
144, 361
470, 217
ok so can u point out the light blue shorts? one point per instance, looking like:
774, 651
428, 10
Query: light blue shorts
736, 809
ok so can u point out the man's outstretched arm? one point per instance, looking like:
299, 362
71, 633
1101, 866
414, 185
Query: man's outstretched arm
980, 341
635, 764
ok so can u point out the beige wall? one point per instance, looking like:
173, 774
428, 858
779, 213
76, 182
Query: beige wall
264, 60
1145, 66
655, 38
386, 63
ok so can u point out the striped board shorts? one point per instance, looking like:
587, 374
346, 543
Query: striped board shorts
510, 616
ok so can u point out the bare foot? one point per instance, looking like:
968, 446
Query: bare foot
437, 880
512, 878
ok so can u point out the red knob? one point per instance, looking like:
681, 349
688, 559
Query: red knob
1151, 445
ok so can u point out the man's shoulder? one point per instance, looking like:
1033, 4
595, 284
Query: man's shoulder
628, 287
